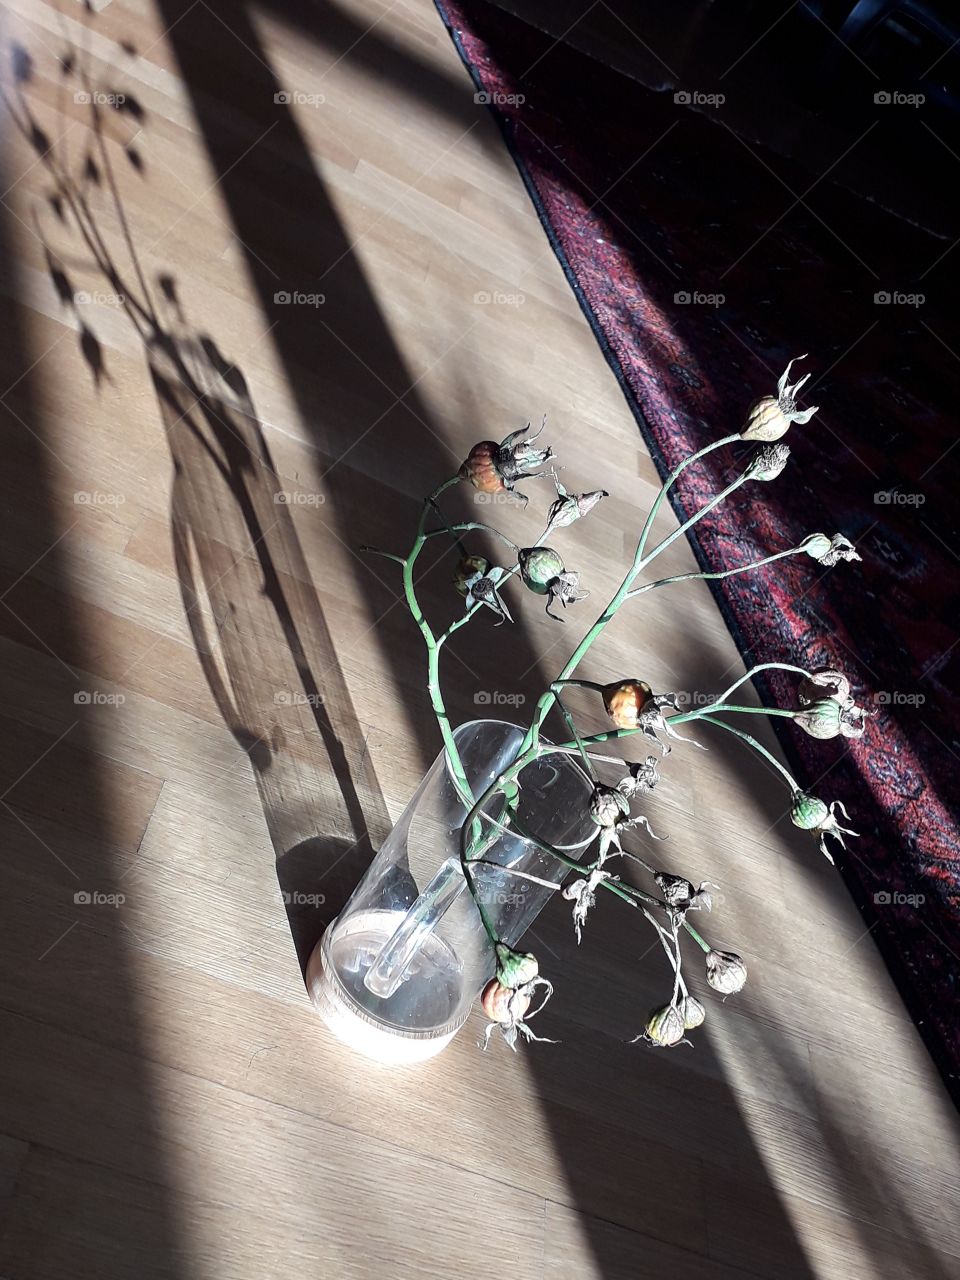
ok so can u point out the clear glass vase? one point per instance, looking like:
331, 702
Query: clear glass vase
395, 974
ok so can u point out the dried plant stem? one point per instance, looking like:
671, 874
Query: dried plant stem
433, 650
671, 480
706, 577
569, 721
758, 747
469, 525
762, 666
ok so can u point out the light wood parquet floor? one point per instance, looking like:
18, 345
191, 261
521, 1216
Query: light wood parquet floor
210, 699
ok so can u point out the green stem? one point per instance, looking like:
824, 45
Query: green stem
686, 716
433, 650
562, 858
513, 871
706, 577
387, 555
571, 726
757, 746
462, 621
571, 748
434, 645
763, 666
472, 818
630, 893
669, 483
701, 942
640, 896
469, 525
697, 515
612, 735
640, 562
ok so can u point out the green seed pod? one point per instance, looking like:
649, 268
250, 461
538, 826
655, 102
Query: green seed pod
515, 968
821, 719
807, 812
539, 567
830, 551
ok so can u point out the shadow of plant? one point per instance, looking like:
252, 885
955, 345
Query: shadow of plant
255, 616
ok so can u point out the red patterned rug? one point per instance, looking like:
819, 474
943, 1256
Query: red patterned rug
645, 201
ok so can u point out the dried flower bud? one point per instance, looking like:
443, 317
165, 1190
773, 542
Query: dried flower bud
692, 1012
470, 570
515, 968
830, 550
476, 579
681, 895
825, 682
765, 420
571, 506
539, 567
677, 890
484, 591
769, 418
480, 468
726, 972
583, 894
641, 777
608, 805
503, 1004
624, 700
565, 587
853, 720
768, 461
517, 458
665, 1026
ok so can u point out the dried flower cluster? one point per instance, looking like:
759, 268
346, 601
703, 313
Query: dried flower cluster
826, 708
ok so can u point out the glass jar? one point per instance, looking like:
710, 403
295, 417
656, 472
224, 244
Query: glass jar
396, 973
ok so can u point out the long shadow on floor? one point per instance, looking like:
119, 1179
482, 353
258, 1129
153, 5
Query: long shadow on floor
83, 1139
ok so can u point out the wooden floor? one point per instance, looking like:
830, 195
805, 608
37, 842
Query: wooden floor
209, 701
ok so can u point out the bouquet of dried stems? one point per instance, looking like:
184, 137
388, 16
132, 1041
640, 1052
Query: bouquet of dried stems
825, 709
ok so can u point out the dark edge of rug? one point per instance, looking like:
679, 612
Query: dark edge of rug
885, 945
